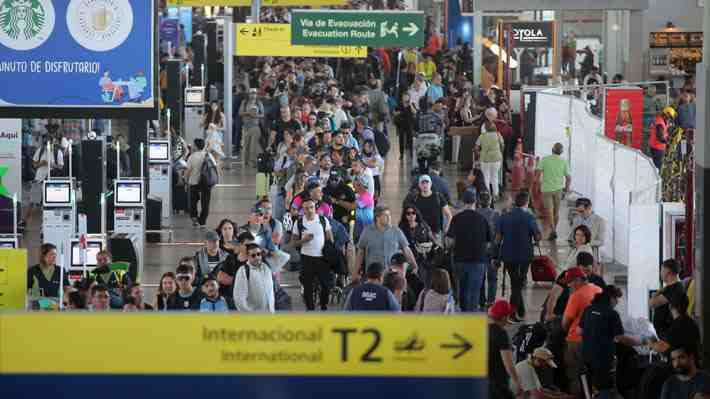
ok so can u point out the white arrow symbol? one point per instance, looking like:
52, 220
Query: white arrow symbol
412, 29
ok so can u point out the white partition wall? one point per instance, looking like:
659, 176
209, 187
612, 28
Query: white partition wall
615, 177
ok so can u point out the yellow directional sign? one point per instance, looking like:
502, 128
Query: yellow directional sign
261, 40
13, 279
264, 3
226, 344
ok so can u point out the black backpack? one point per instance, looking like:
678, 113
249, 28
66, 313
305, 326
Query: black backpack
265, 163
528, 338
331, 253
382, 142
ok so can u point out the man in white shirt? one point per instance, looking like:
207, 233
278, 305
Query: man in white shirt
310, 233
254, 284
42, 161
418, 90
530, 381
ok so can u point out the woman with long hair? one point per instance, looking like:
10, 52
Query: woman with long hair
166, 287
420, 237
227, 239
213, 115
582, 239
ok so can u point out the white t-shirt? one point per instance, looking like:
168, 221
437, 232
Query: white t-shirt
313, 247
43, 171
528, 377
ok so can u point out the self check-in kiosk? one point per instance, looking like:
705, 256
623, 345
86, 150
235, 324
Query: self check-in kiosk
160, 174
130, 216
83, 260
58, 216
194, 113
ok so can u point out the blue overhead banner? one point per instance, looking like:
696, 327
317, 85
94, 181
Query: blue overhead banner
77, 54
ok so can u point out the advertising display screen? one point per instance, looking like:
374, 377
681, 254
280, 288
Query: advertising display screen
92, 249
80, 55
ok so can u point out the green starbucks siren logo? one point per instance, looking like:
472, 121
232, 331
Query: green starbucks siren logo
25, 24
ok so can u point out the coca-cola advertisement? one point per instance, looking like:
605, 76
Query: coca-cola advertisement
623, 120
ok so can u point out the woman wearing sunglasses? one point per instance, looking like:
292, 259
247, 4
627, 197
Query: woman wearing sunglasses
420, 237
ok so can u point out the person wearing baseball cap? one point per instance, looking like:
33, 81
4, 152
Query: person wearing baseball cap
500, 353
541, 359
583, 293
433, 206
208, 257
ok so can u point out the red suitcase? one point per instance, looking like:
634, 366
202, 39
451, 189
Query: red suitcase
543, 268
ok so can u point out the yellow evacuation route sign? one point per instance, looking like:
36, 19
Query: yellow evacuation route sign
264, 3
223, 344
261, 40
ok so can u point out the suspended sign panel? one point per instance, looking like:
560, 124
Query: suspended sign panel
262, 40
278, 356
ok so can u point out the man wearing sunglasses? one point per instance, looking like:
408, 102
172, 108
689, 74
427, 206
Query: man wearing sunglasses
186, 297
254, 286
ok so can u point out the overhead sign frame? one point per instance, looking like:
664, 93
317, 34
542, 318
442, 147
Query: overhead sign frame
261, 40
394, 29
145, 107
264, 3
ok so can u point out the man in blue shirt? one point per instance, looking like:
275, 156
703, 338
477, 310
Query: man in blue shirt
371, 295
517, 229
435, 90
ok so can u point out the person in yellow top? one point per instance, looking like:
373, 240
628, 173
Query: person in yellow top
411, 56
427, 67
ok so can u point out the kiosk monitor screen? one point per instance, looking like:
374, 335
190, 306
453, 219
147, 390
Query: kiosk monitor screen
9, 244
194, 96
57, 193
129, 193
92, 249
158, 151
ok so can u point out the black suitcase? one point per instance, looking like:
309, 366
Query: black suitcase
448, 147
180, 202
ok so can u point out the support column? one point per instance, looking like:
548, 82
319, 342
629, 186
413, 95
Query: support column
228, 60
635, 65
702, 193
477, 46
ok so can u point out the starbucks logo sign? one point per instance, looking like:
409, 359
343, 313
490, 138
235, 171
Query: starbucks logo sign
100, 25
25, 24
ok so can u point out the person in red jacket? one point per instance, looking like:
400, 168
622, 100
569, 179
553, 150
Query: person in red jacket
658, 140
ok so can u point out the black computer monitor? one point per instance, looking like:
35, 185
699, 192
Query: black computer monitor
93, 247
57, 193
128, 193
159, 151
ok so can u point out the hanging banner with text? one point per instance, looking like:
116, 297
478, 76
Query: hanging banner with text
77, 54
261, 40
274, 356
11, 158
358, 28
623, 115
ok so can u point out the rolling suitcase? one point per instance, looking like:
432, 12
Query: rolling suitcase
543, 268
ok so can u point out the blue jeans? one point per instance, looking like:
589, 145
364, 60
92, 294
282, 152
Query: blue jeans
470, 278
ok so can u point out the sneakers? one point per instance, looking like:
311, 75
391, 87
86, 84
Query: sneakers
195, 223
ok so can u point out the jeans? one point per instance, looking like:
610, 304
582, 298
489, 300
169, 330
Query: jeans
470, 277
202, 194
518, 274
315, 268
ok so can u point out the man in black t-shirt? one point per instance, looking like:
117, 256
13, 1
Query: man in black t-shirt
662, 318
226, 272
500, 353
683, 330
470, 234
279, 126
341, 196
432, 205
585, 260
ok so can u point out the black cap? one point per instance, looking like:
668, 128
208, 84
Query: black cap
345, 125
398, 259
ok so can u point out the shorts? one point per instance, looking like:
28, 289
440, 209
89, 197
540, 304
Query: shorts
36, 193
552, 201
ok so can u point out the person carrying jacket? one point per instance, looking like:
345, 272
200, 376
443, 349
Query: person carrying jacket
658, 141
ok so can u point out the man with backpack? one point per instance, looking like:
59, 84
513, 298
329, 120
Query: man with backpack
254, 284
310, 233
433, 206
202, 174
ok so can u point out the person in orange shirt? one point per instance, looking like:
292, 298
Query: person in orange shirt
582, 296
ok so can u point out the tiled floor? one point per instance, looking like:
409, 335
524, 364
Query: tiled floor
234, 198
